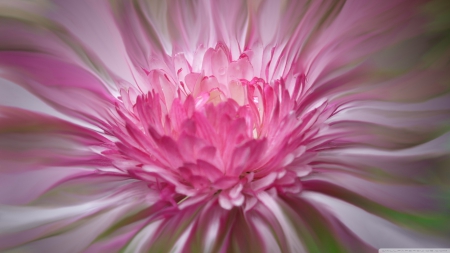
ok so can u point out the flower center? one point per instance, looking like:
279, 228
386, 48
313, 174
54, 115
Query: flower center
218, 134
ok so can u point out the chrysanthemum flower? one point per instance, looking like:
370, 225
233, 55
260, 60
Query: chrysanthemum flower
223, 126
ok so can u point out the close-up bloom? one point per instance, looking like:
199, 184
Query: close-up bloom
224, 126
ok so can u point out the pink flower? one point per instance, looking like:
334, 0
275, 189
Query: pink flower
223, 126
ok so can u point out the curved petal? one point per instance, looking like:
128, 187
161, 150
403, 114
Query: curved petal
61, 84
207, 227
432, 221
73, 225
375, 230
39, 150
92, 24
55, 66
14, 95
319, 228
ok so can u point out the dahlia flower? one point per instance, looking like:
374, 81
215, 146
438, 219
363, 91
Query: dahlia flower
224, 126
